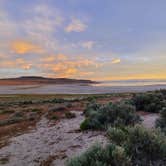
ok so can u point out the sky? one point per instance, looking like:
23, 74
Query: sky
83, 39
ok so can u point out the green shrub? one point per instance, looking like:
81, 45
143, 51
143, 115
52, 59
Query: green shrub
117, 135
57, 108
161, 122
26, 102
70, 115
54, 117
91, 124
149, 102
93, 106
143, 146
17, 114
111, 155
35, 110
68, 105
91, 98
4, 160
163, 92
6, 111
56, 100
117, 114
146, 147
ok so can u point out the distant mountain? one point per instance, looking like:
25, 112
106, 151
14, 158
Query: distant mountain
33, 80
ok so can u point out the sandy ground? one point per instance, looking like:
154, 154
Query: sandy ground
149, 120
57, 142
76, 89
53, 144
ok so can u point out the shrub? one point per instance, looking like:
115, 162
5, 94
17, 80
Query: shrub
68, 105
54, 117
117, 114
18, 114
70, 115
32, 116
144, 147
4, 160
56, 100
26, 102
91, 98
93, 106
161, 122
163, 92
91, 124
111, 155
35, 110
117, 135
6, 111
11, 120
149, 102
57, 109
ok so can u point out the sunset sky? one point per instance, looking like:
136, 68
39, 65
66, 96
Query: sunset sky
87, 39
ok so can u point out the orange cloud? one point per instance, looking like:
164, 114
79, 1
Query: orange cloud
23, 47
54, 58
24, 65
61, 57
61, 66
48, 59
70, 71
114, 61
19, 63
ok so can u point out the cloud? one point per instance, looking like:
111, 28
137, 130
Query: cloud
61, 66
24, 65
23, 47
76, 25
43, 26
88, 44
62, 57
18, 63
115, 61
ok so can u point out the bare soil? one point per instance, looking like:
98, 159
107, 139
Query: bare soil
50, 144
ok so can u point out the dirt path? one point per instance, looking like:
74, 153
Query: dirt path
149, 120
50, 144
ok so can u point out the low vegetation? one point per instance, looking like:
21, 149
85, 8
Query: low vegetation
57, 108
6, 111
70, 115
20, 116
129, 143
111, 155
14, 118
161, 122
114, 114
4, 160
129, 146
150, 101
143, 146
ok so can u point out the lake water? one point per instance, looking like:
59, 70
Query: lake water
104, 87
132, 83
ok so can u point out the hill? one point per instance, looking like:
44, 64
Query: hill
33, 80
